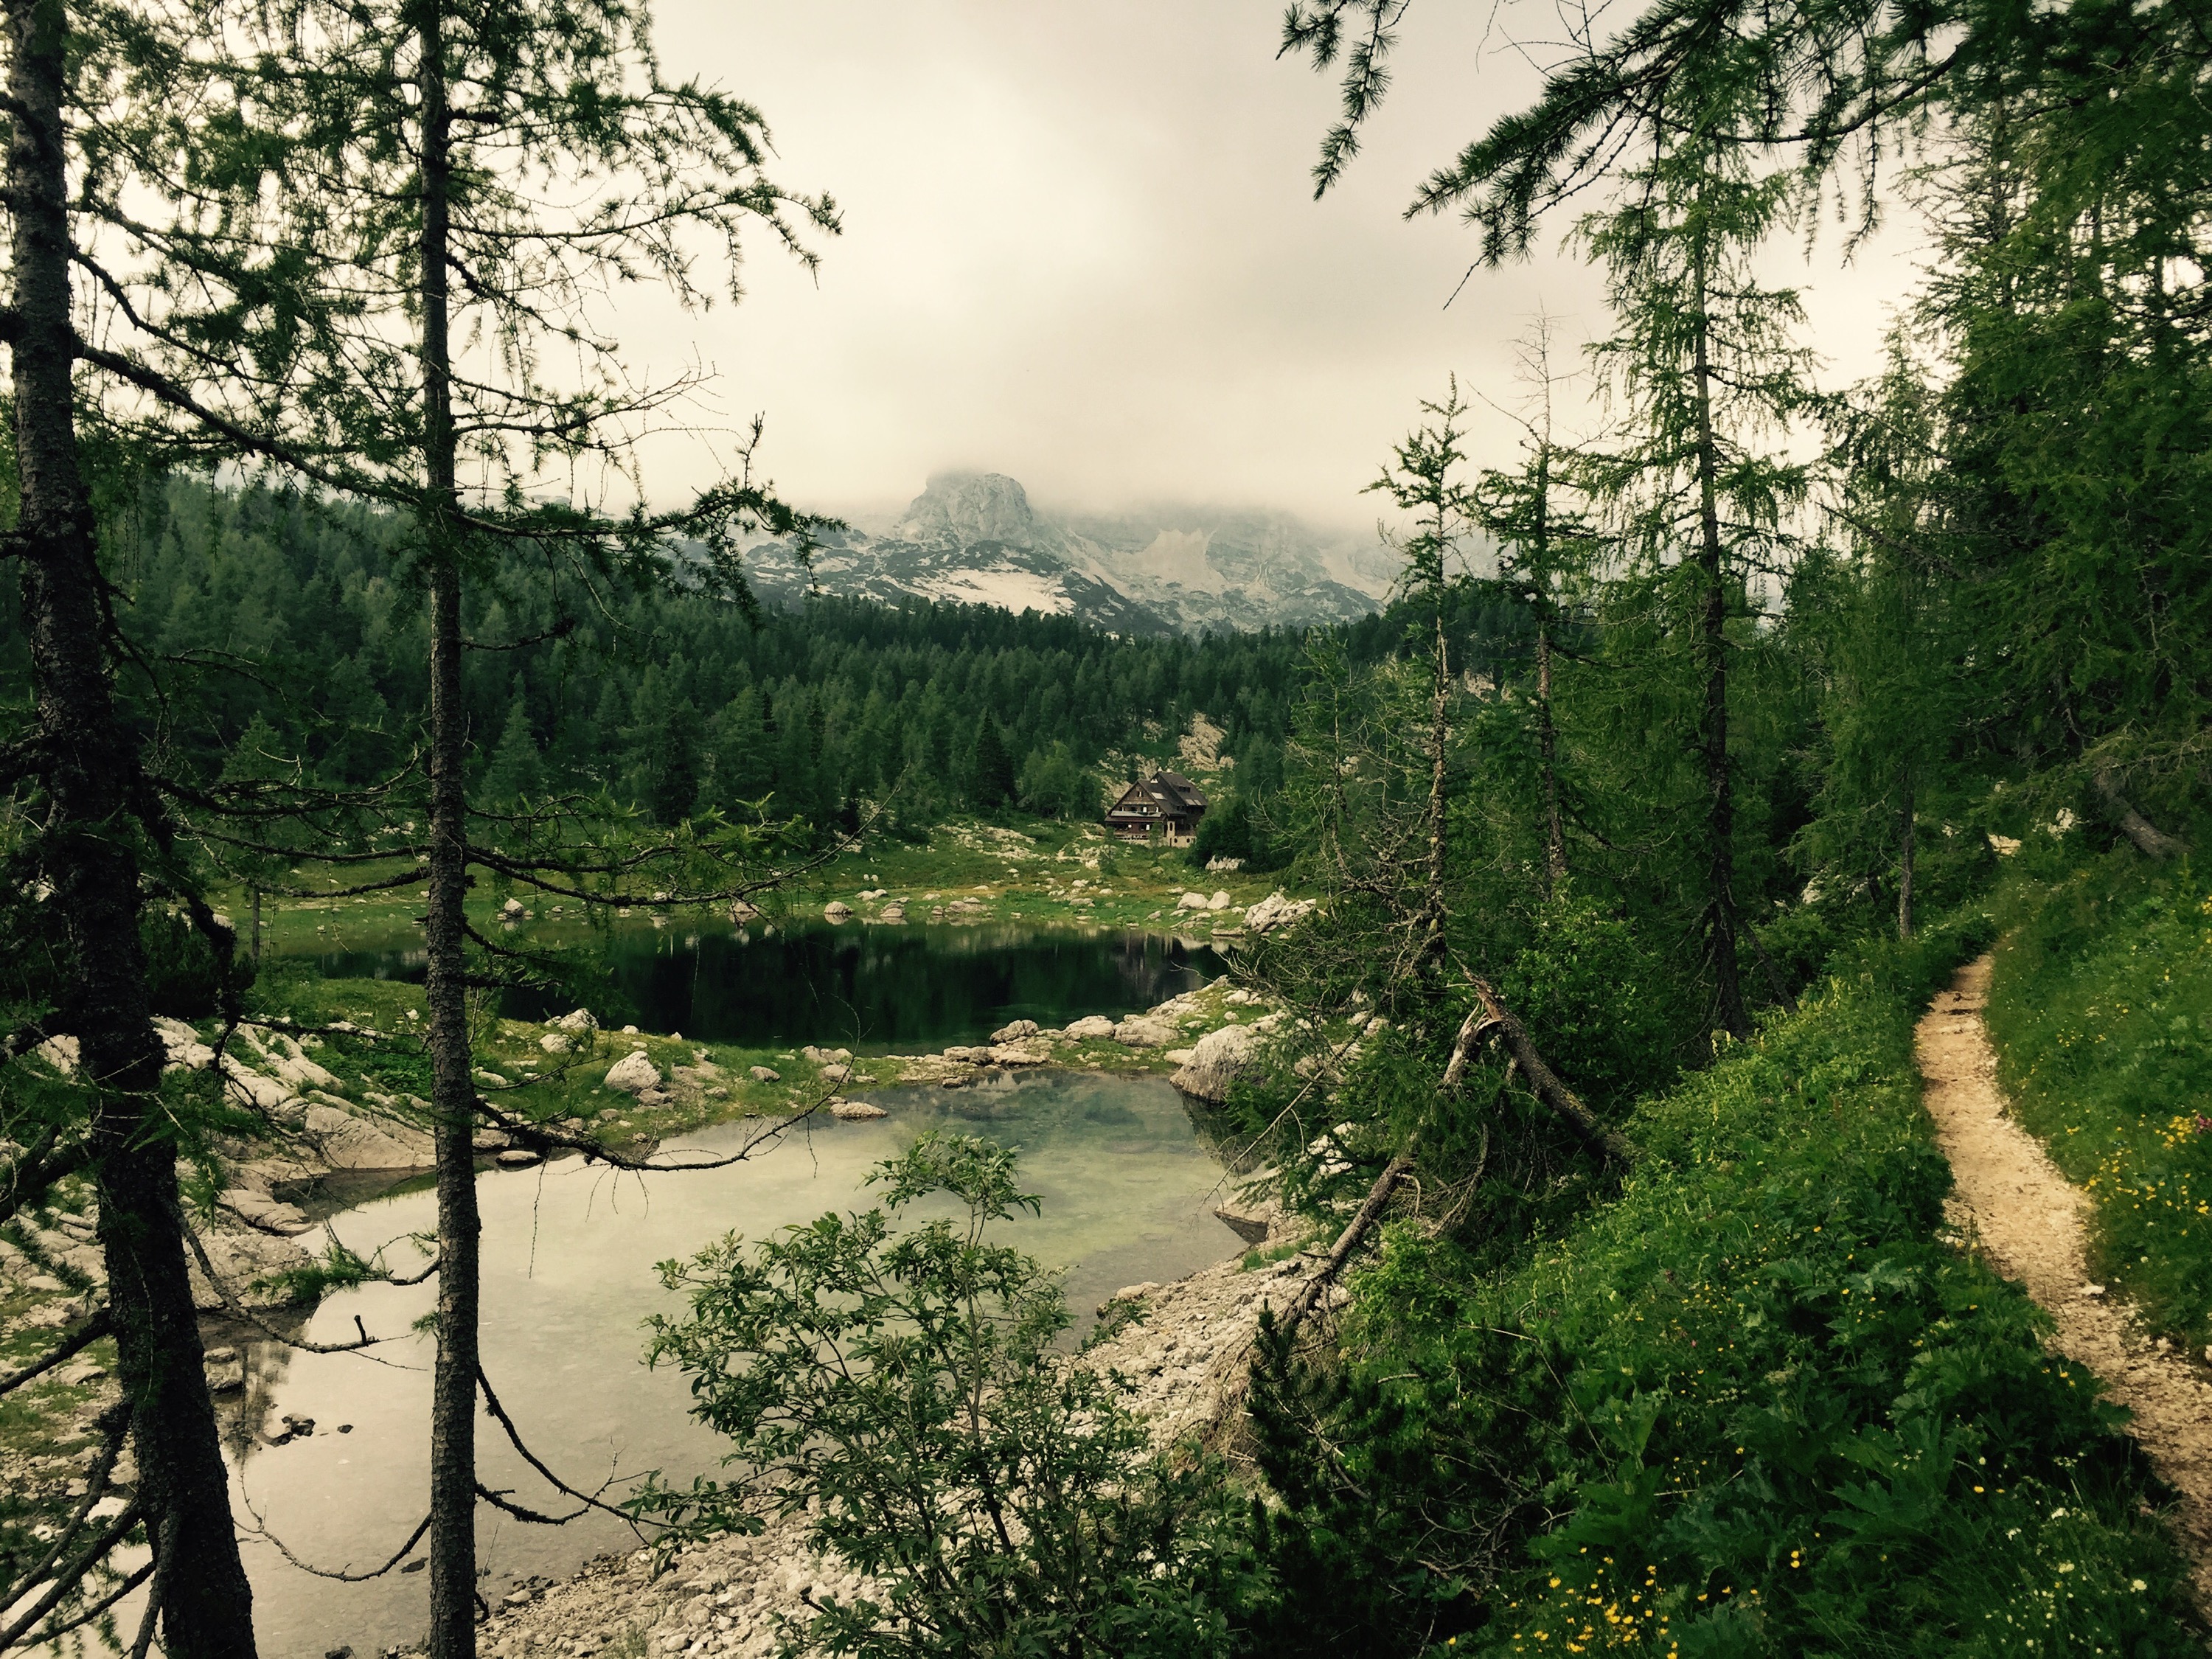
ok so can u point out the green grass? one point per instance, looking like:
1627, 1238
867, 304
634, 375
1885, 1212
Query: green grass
1756, 1404
2101, 1010
1022, 870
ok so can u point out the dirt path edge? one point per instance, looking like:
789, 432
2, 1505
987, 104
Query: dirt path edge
2031, 1224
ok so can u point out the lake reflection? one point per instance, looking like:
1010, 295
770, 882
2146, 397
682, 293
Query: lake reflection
871, 988
1128, 1185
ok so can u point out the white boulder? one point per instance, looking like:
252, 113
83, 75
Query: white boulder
1218, 902
836, 910
1089, 1029
1138, 1032
634, 1074
1191, 902
1215, 1060
855, 1111
1015, 1032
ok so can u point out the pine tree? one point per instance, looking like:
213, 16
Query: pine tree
990, 769
516, 773
1708, 381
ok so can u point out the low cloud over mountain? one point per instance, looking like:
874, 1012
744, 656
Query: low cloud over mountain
974, 537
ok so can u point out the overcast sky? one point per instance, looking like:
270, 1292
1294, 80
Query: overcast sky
1081, 248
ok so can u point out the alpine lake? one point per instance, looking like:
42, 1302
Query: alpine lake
329, 1453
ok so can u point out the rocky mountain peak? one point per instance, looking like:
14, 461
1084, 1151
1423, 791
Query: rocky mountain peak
968, 508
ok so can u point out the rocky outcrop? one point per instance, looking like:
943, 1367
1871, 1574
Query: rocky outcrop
1216, 1061
1277, 911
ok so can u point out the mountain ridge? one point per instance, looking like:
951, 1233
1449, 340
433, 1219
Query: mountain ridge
975, 537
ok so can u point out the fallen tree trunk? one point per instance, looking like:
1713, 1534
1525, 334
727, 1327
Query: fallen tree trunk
1347, 1241
1542, 1080
2150, 841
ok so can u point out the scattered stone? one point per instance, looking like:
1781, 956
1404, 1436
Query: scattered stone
893, 913
634, 1074
837, 1073
489, 1140
512, 910
1020, 1053
1015, 1032
1191, 902
1218, 902
855, 1111
823, 1056
554, 1043
766, 1074
518, 1157
969, 1055
836, 911
1089, 1029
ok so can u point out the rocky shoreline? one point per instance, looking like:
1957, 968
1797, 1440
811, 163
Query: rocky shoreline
253, 1238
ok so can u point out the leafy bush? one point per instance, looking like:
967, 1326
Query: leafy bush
1753, 1405
2101, 1009
997, 1497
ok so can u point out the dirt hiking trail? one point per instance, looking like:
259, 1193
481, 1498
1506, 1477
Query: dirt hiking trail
2031, 1222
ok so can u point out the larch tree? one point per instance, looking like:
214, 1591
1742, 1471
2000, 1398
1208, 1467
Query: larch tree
1706, 381
1547, 549
102, 848
400, 237
1423, 480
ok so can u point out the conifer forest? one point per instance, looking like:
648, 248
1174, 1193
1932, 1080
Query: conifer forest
1586, 1030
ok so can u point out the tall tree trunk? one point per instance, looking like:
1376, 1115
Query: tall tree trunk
1904, 851
1547, 751
93, 764
1432, 940
1555, 841
452, 1090
1728, 1010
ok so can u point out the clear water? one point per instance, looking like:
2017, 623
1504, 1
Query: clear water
1128, 1182
871, 988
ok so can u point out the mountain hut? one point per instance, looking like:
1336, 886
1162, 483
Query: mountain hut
1166, 804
